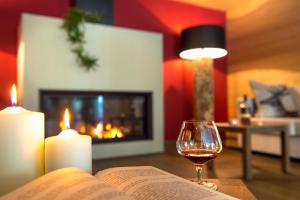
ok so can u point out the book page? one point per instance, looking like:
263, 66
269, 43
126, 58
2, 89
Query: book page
66, 184
149, 183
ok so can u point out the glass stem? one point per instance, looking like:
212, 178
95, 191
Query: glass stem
199, 169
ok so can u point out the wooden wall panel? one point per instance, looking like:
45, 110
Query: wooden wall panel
263, 45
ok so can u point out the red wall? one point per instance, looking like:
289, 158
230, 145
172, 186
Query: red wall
10, 12
169, 18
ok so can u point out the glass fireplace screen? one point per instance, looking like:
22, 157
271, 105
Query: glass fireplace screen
105, 116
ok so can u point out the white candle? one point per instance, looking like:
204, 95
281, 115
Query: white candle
21, 146
68, 149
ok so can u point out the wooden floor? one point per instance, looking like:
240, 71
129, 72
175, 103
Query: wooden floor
268, 180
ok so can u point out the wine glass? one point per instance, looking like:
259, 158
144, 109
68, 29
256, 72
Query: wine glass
199, 141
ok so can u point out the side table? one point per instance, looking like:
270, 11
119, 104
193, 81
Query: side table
263, 128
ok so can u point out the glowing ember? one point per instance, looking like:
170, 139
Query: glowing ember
99, 132
120, 135
108, 126
82, 129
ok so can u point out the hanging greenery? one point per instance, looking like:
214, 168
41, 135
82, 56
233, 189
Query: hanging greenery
73, 24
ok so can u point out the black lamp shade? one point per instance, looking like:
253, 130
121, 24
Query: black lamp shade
203, 41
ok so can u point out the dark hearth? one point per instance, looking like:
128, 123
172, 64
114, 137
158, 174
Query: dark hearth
105, 116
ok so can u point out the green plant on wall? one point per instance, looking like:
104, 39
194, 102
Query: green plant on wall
73, 24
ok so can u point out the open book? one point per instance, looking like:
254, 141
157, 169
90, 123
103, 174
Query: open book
121, 183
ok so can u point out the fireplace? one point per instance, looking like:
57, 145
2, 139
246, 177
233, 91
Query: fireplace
135, 68
105, 116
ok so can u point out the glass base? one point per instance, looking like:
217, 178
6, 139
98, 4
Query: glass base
207, 184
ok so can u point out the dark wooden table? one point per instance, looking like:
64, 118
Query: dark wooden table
232, 187
262, 128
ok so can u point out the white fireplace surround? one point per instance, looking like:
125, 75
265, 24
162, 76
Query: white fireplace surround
130, 60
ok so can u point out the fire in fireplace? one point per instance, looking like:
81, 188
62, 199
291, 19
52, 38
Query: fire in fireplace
105, 116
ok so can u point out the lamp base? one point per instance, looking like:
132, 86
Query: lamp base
203, 86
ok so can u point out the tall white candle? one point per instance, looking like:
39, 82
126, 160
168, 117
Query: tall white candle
21, 146
68, 149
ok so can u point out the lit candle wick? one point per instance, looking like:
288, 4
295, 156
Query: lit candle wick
14, 95
67, 119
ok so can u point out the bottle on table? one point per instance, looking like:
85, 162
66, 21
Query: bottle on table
245, 114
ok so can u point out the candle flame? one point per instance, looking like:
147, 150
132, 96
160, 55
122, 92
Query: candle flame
67, 119
14, 95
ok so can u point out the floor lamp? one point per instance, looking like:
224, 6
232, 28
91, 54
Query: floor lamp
203, 44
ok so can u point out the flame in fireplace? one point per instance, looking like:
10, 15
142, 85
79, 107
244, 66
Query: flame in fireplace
99, 132
120, 135
110, 132
82, 129
108, 126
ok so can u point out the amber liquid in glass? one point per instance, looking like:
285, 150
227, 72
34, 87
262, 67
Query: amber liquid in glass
199, 157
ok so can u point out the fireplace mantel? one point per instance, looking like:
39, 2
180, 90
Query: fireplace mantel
130, 60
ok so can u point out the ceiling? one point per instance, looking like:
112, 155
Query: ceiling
233, 8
